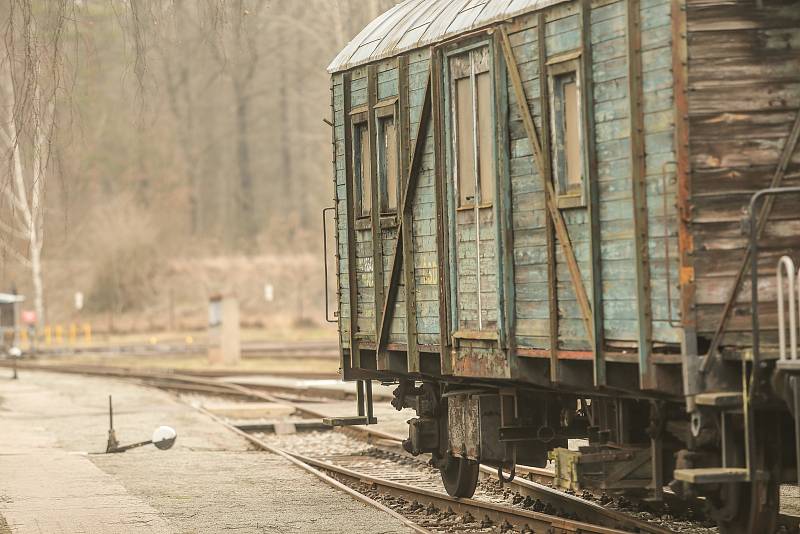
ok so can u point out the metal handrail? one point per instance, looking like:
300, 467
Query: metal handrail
325, 263
667, 236
786, 267
753, 227
749, 384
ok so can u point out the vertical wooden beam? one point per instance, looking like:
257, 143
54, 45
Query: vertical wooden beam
680, 70
442, 228
337, 221
406, 229
352, 278
503, 210
552, 277
639, 186
377, 239
590, 171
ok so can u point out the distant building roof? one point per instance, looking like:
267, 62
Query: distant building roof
416, 23
8, 298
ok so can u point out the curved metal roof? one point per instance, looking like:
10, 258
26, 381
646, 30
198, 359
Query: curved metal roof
416, 23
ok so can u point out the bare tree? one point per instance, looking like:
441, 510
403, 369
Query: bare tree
178, 70
31, 76
236, 50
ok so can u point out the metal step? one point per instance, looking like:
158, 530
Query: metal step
350, 421
711, 475
720, 399
790, 366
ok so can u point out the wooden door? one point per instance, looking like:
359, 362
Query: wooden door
472, 187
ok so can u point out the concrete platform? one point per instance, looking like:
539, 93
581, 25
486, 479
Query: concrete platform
51, 481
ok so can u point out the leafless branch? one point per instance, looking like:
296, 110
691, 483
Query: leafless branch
14, 253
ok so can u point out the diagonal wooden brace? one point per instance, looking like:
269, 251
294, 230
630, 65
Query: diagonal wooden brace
550, 197
409, 189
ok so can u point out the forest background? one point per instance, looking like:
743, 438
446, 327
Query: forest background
157, 152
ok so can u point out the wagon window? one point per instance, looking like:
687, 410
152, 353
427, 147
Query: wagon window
483, 93
465, 167
567, 134
361, 168
472, 128
387, 163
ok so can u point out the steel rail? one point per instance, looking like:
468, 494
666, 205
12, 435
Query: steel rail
588, 510
530, 481
317, 473
254, 351
538, 490
496, 512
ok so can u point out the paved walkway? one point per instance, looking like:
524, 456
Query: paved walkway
52, 482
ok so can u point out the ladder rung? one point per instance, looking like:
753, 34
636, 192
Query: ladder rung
788, 365
720, 399
350, 421
711, 475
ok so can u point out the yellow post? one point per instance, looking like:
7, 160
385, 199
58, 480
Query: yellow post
59, 334
23, 336
48, 335
87, 333
73, 333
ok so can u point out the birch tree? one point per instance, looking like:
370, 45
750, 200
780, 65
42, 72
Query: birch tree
31, 74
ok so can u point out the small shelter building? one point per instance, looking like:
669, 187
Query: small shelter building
9, 320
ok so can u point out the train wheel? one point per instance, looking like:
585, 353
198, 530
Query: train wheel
750, 508
460, 476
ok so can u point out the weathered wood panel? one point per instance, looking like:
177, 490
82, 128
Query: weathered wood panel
527, 196
343, 290
744, 81
426, 272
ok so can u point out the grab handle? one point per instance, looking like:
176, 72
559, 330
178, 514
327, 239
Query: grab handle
325, 262
786, 266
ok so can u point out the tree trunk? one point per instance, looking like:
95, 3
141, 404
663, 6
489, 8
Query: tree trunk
246, 226
36, 278
286, 200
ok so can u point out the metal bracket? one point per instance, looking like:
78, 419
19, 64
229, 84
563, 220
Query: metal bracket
364, 405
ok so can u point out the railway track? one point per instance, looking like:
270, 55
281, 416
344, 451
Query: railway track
543, 497
536, 502
274, 350
531, 483
427, 507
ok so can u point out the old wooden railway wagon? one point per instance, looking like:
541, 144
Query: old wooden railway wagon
539, 211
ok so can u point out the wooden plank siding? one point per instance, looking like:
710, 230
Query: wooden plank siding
426, 270
612, 142
528, 205
343, 292
744, 95
543, 302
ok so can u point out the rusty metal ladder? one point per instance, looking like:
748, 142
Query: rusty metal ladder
725, 401
755, 225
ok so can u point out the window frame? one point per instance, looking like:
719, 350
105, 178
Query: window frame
382, 110
358, 120
560, 67
498, 89
450, 117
